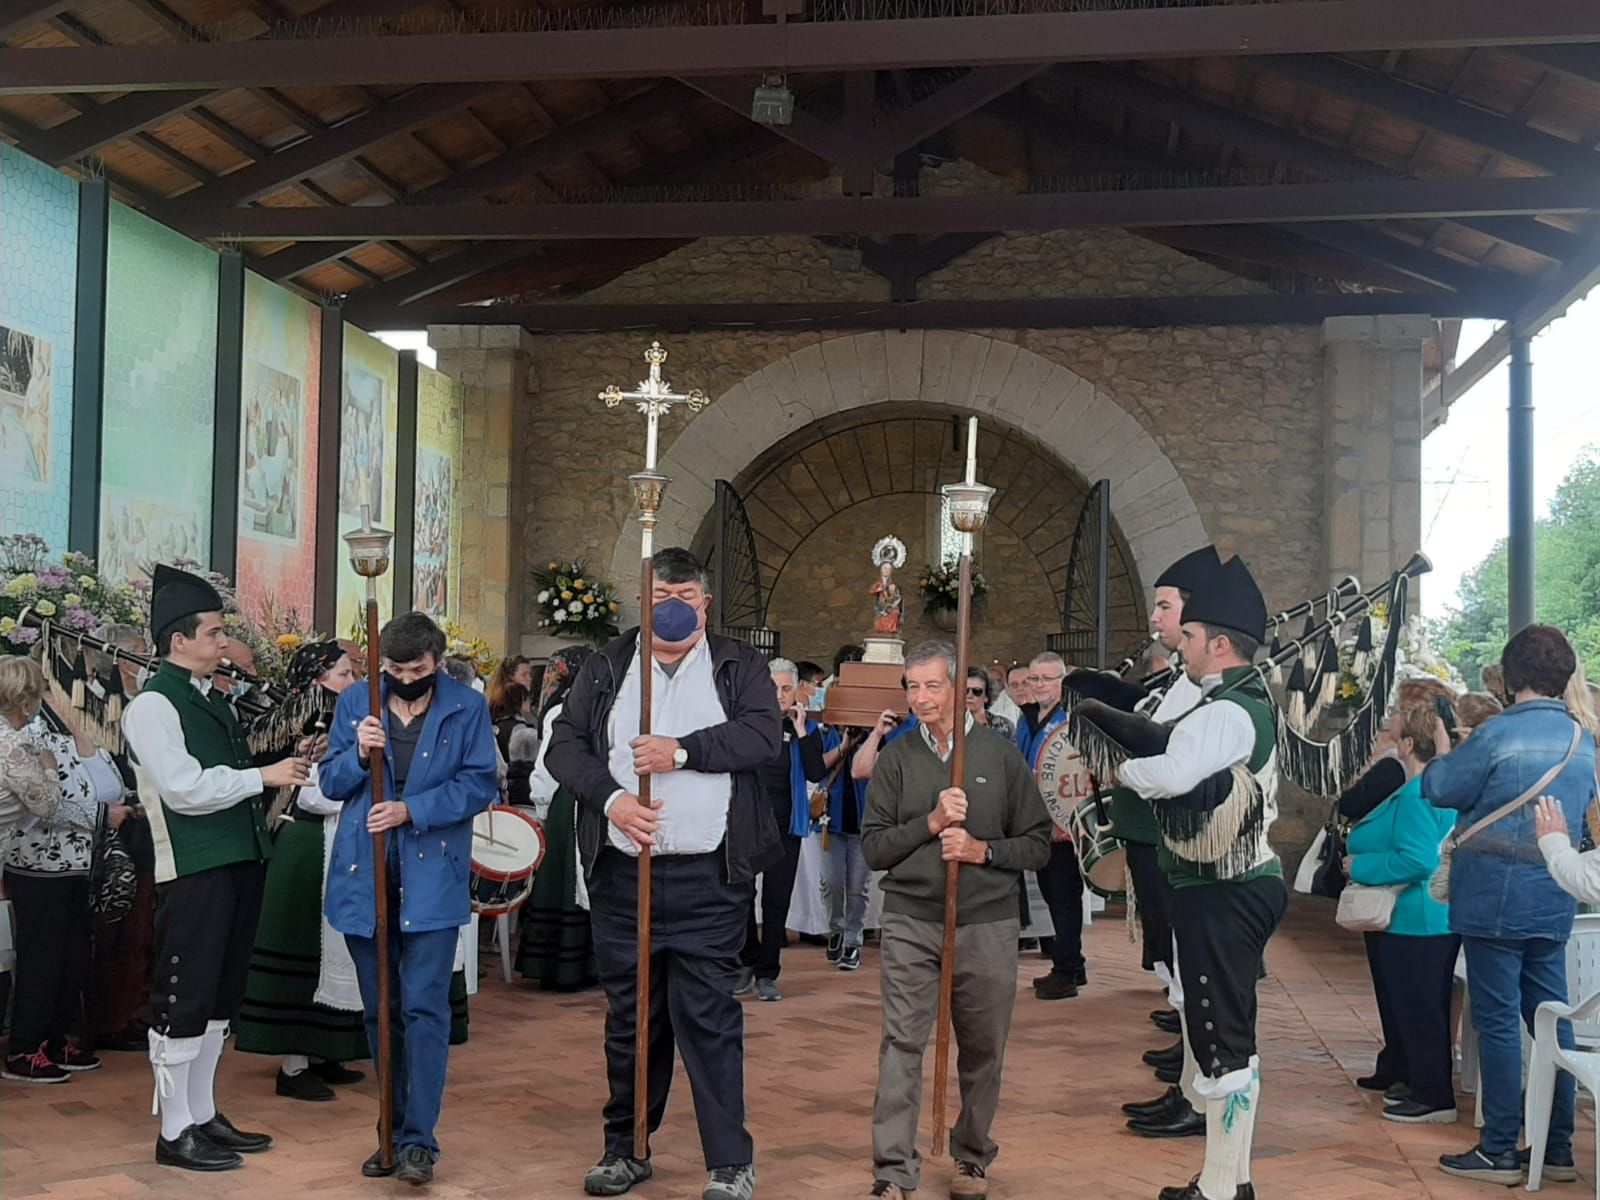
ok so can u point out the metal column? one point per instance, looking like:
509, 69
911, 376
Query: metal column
1520, 445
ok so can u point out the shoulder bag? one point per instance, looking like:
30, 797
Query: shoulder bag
1439, 884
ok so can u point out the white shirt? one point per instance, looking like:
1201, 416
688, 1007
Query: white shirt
694, 804
1178, 700
1213, 738
541, 784
933, 743
1577, 874
155, 735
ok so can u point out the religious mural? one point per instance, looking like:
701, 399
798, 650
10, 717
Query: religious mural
38, 291
160, 389
368, 414
278, 449
436, 552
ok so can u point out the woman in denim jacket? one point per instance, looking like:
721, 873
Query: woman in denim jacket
1512, 917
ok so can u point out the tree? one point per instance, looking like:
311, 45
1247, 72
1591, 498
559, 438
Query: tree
1566, 581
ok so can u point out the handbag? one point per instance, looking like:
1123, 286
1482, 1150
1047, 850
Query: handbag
114, 880
1321, 871
1439, 883
1364, 908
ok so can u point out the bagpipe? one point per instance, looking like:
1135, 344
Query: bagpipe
1108, 731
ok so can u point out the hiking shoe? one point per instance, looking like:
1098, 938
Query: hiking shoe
850, 959
1485, 1168
969, 1183
33, 1068
415, 1166
1558, 1165
745, 983
731, 1183
1410, 1112
889, 1191
835, 947
613, 1175
70, 1058
767, 989
303, 1086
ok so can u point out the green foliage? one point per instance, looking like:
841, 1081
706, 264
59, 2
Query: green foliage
1566, 581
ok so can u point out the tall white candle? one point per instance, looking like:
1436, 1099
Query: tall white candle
652, 425
972, 450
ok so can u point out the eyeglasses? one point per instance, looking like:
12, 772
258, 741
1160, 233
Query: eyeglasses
1038, 679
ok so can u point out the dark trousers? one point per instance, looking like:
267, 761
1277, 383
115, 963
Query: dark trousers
1413, 978
1222, 930
1061, 883
52, 943
1152, 892
697, 929
764, 942
205, 932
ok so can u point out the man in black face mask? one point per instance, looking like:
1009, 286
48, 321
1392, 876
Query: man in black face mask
439, 763
709, 831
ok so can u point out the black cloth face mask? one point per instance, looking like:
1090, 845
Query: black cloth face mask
411, 691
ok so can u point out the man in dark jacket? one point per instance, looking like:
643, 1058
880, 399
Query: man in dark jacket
708, 831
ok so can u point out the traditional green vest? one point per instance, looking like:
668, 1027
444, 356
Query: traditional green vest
187, 843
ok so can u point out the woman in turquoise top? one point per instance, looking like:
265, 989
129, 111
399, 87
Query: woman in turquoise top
1413, 961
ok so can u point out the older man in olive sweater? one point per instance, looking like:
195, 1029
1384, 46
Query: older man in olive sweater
996, 826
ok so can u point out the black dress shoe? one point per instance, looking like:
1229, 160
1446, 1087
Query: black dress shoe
1056, 987
1147, 1108
193, 1151
1245, 1191
1081, 976
1374, 1083
1166, 1056
1179, 1121
373, 1168
1169, 1074
220, 1131
303, 1086
1168, 1022
416, 1166
337, 1073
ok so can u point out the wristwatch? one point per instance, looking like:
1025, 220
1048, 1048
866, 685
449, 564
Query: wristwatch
988, 855
680, 758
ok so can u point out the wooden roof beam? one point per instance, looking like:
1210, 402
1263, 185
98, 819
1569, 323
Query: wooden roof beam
19, 15
1290, 27
1580, 64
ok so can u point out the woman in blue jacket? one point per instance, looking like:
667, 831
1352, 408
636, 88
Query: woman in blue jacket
440, 771
1413, 961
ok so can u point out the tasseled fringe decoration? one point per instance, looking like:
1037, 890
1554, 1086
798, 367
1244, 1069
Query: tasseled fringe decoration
1222, 840
1100, 754
1130, 904
281, 726
1275, 670
1327, 682
1363, 649
1309, 651
1294, 702
80, 672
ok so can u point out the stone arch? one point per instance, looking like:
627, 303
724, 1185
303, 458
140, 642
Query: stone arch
973, 373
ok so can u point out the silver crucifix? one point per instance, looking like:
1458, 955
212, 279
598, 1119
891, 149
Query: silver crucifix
655, 399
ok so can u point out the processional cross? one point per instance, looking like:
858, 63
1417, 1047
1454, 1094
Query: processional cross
655, 398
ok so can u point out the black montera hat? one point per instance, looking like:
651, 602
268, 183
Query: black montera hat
1190, 571
176, 594
1229, 599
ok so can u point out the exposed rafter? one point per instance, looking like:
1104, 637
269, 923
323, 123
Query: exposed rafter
923, 215
1294, 26
18, 15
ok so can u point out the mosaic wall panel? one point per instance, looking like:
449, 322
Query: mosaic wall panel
160, 388
436, 550
38, 290
369, 407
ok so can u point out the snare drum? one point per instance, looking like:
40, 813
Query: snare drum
507, 848
1102, 857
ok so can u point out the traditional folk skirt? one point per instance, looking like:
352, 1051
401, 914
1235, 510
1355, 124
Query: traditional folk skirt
557, 946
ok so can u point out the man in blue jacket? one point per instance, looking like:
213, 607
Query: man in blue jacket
438, 751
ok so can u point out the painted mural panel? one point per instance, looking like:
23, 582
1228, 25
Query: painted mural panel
38, 291
436, 552
160, 389
278, 452
368, 411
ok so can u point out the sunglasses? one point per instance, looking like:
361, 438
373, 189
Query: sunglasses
977, 691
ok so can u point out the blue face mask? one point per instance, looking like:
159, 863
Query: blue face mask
675, 620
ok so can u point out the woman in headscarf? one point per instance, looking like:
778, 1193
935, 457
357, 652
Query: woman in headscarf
557, 946
285, 1012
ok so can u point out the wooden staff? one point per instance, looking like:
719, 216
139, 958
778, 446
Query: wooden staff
641, 1042
380, 881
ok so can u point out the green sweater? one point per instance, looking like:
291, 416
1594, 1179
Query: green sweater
1004, 809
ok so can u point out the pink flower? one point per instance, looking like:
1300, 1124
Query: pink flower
23, 635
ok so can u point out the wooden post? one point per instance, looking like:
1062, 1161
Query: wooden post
380, 881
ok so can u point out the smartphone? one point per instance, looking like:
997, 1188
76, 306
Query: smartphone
1446, 713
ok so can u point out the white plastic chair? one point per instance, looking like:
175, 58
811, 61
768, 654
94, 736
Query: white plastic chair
1583, 979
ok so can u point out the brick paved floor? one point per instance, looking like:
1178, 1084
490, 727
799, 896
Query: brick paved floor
521, 1112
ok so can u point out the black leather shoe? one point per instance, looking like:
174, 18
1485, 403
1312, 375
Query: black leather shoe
1166, 1056
1056, 987
416, 1166
1167, 1022
220, 1131
193, 1151
337, 1074
1080, 977
1148, 1108
373, 1168
303, 1086
1375, 1083
1170, 1074
1179, 1121
1245, 1191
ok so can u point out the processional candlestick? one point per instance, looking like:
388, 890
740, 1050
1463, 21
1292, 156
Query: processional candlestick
968, 506
655, 398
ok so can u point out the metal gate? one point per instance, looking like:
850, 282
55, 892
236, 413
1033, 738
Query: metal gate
1101, 615
738, 601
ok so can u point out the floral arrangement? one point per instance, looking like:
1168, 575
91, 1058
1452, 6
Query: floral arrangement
1415, 658
941, 586
572, 602
459, 644
69, 592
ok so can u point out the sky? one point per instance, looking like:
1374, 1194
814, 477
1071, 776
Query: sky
1464, 461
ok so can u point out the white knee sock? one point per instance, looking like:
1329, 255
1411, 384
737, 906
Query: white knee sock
1230, 1130
203, 1076
294, 1064
1190, 1067
172, 1060
1248, 1120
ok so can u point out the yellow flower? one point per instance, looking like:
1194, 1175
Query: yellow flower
45, 608
86, 582
588, 597
6, 625
555, 566
579, 583
22, 583
289, 641
72, 599
566, 595
613, 606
